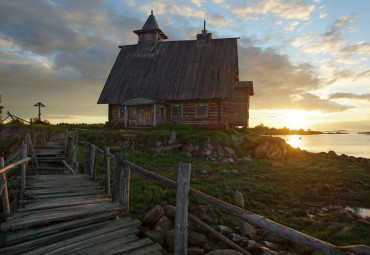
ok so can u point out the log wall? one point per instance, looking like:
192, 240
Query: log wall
236, 110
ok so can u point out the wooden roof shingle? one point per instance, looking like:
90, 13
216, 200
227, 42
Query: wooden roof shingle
176, 70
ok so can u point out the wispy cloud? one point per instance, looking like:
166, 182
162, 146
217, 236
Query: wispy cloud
350, 96
290, 9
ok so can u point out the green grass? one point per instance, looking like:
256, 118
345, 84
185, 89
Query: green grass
284, 194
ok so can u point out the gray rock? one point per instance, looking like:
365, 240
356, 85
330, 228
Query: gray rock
236, 238
158, 143
195, 251
229, 150
204, 171
273, 246
239, 200
235, 172
249, 244
172, 138
163, 225
332, 155
247, 159
224, 230
151, 217
225, 252
155, 236
170, 211
170, 240
196, 239
247, 229
208, 247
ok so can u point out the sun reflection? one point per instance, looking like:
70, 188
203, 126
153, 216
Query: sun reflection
294, 141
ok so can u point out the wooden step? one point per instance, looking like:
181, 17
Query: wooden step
122, 229
9, 239
58, 217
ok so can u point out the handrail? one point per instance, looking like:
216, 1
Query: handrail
4, 169
286, 232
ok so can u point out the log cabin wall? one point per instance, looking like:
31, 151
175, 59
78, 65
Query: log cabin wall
189, 113
236, 109
112, 112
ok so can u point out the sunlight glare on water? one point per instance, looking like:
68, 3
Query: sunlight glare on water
295, 141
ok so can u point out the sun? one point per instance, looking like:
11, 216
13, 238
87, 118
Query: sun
295, 119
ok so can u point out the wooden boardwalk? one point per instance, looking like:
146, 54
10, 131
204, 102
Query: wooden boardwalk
69, 214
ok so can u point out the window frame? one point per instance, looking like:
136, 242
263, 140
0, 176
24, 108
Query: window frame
196, 111
182, 111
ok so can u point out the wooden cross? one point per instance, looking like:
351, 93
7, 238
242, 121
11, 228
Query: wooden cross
39, 104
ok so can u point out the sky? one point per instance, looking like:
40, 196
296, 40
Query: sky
308, 59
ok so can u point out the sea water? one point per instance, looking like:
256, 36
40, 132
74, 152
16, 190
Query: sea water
351, 143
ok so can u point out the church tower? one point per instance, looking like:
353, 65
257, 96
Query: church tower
149, 35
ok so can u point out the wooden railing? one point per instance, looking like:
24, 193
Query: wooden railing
3, 171
121, 194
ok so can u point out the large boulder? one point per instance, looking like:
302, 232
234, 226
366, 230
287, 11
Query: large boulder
271, 149
151, 217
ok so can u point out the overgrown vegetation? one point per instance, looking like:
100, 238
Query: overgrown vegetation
264, 130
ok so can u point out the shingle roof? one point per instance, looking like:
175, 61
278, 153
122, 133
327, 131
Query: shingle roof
176, 70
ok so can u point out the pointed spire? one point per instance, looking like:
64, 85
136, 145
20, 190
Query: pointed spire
151, 25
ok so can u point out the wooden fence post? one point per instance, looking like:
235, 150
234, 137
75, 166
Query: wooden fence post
182, 202
87, 158
23, 171
107, 170
29, 145
117, 178
126, 188
65, 141
93, 162
70, 148
4, 192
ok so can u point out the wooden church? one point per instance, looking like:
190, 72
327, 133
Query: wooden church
189, 82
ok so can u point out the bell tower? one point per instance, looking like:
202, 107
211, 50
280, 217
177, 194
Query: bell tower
149, 35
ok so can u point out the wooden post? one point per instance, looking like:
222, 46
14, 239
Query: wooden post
107, 170
182, 202
117, 179
34, 138
4, 193
70, 148
126, 188
31, 124
126, 116
23, 171
154, 115
75, 148
65, 141
93, 162
75, 166
87, 158
29, 145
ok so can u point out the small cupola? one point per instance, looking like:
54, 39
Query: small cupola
149, 35
204, 39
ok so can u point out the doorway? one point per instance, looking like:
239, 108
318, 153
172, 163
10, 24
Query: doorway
144, 115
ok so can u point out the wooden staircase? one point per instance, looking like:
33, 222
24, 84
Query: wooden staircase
69, 214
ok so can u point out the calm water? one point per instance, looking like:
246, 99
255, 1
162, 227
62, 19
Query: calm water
351, 144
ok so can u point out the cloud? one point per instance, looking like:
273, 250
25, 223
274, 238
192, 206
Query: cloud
291, 26
218, 20
359, 48
280, 84
290, 9
171, 7
350, 96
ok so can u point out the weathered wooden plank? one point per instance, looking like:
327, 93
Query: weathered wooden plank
60, 217
23, 169
59, 190
45, 206
69, 194
6, 168
107, 170
4, 192
132, 245
92, 162
126, 189
28, 216
51, 238
111, 246
144, 250
117, 178
25, 235
68, 167
182, 202
67, 246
